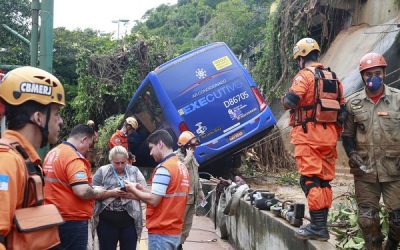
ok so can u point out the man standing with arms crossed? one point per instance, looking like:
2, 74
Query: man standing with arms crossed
317, 111
371, 139
166, 201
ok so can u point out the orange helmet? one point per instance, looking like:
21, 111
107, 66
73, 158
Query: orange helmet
31, 84
304, 47
185, 137
372, 60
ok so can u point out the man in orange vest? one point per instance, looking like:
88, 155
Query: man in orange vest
120, 137
33, 99
317, 111
166, 201
68, 182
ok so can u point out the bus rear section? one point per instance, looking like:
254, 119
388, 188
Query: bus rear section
214, 97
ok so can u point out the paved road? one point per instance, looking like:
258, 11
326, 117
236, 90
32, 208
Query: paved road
202, 237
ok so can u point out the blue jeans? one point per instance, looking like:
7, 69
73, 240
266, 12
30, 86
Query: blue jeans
164, 242
109, 235
73, 235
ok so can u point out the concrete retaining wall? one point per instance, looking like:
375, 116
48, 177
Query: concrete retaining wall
251, 228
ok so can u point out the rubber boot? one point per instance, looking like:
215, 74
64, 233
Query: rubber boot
317, 229
391, 244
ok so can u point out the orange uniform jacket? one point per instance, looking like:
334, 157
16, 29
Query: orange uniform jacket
13, 179
303, 86
167, 217
64, 167
119, 138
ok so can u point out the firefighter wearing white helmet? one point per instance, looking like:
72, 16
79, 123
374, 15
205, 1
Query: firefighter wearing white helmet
120, 137
33, 99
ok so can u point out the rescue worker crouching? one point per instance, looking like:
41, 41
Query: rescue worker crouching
317, 110
33, 99
371, 139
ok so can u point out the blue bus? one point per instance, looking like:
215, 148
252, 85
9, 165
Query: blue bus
206, 91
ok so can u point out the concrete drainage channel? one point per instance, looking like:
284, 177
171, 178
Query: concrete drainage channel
251, 228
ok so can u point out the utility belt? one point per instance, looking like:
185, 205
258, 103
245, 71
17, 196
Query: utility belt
318, 113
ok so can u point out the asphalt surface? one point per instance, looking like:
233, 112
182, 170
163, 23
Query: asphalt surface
202, 236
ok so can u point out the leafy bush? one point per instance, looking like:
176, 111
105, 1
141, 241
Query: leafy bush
343, 220
109, 127
289, 178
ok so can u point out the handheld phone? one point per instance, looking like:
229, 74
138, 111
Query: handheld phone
122, 186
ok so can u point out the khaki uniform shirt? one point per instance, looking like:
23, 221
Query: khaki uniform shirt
193, 169
376, 129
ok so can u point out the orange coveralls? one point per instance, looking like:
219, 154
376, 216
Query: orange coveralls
315, 151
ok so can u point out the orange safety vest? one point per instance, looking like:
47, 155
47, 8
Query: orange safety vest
325, 105
167, 217
26, 191
57, 188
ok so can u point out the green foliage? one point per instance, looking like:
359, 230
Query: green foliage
190, 24
232, 23
16, 15
275, 66
111, 75
67, 45
344, 219
106, 130
289, 178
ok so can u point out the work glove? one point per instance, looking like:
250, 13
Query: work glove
342, 116
355, 162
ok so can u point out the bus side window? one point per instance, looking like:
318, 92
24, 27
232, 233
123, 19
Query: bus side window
148, 110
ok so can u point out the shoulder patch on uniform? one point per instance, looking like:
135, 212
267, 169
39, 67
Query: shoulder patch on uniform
356, 104
80, 175
298, 78
355, 101
4, 182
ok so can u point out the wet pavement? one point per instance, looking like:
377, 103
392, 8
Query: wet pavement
203, 236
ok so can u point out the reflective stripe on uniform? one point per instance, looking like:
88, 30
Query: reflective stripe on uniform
176, 194
49, 179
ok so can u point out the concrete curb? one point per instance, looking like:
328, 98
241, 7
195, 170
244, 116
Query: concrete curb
251, 228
